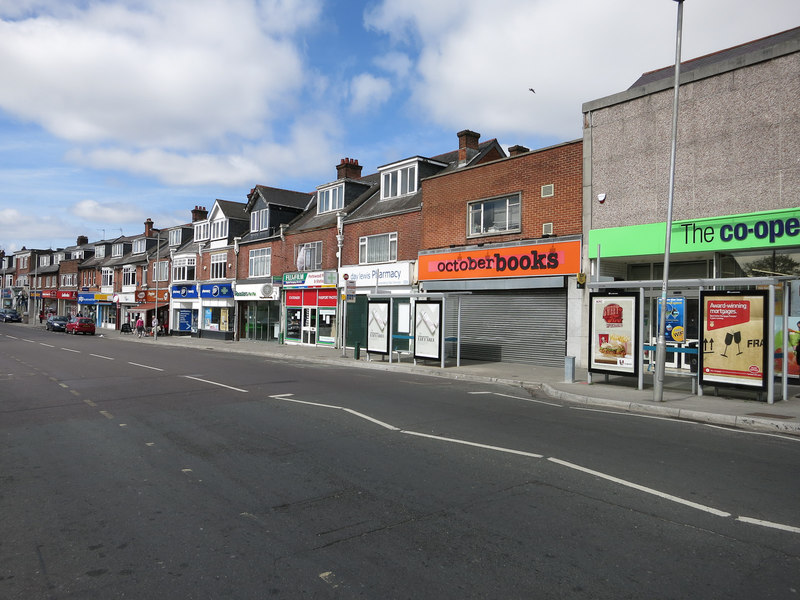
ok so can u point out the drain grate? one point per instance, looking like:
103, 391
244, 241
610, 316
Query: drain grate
769, 416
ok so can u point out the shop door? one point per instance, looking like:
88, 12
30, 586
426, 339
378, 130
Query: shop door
310, 326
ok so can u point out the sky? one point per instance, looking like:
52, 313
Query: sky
116, 111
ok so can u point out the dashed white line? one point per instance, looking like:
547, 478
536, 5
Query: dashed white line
71, 350
48, 345
769, 524
29, 341
230, 387
101, 356
145, 366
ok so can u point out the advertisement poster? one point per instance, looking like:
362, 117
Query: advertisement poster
793, 362
675, 321
613, 334
428, 330
379, 332
734, 339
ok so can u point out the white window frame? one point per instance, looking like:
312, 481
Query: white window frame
386, 239
161, 270
57, 258
399, 182
44, 260
107, 277
219, 229
174, 237
129, 276
330, 199
181, 267
259, 220
219, 266
201, 231
77, 254
478, 208
139, 246
117, 250
311, 259
99, 251
260, 262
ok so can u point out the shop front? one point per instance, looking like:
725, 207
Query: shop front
517, 302
49, 305
259, 309
310, 305
151, 303
67, 302
97, 307
184, 310
217, 311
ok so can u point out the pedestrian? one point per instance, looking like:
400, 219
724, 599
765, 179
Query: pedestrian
41, 316
140, 326
154, 324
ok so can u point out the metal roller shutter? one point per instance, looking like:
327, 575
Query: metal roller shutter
512, 326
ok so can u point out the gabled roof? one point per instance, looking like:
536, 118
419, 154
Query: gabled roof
278, 196
232, 210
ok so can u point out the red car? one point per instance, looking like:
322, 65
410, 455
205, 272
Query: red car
80, 325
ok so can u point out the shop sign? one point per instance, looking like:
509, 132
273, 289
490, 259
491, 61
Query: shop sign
65, 295
150, 296
379, 330
557, 258
427, 330
310, 279
49, 294
734, 348
217, 290
385, 275
86, 298
256, 291
613, 333
126, 298
184, 291
185, 319
770, 229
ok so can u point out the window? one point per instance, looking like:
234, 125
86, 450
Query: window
219, 229
57, 258
499, 215
201, 232
117, 250
175, 237
548, 190
399, 182
139, 246
377, 248
330, 199
128, 275
259, 220
218, 265
100, 251
309, 256
44, 260
77, 254
161, 271
183, 269
108, 277
260, 262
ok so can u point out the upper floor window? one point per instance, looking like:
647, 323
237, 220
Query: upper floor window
399, 182
108, 277
377, 248
498, 215
44, 260
76, 254
260, 262
201, 231
117, 250
219, 229
330, 199
219, 264
161, 271
129, 275
139, 246
183, 269
58, 257
100, 251
309, 256
259, 220
174, 237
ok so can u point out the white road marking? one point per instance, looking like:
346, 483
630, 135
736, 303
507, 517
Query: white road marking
528, 399
29, 341
769, 524
11, 337
71, 350
281, 396
791, 438
376, 421
641, 488
106, 414
235, 389
632, 414
100, 356
48, 345
145, 366
477, 393
475, 444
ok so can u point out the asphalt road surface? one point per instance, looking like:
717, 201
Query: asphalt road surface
136, 471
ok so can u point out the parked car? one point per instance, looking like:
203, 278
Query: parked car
10, 315
80, 325
56, 323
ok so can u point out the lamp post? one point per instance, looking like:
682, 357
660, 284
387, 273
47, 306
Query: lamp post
661, 344
155, 276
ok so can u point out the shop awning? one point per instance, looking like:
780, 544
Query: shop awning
147, 306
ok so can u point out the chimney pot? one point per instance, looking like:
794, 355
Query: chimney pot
468, 142
517, 150
348, 168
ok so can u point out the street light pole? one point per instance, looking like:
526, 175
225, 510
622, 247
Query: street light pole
155, 275
661, 344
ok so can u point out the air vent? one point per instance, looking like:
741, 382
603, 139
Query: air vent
547, 229
548, 190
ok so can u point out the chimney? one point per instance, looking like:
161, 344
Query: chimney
467, 140
82, 240
517, 150
348, 168
199, 213
148, 228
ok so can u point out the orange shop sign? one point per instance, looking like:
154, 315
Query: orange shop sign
557, 258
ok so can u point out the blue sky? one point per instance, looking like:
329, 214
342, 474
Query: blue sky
112, 112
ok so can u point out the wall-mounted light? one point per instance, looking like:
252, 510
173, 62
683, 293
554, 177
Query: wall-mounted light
601, 198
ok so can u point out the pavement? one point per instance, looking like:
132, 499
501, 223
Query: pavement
727, 407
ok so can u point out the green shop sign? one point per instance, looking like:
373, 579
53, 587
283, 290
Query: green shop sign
752, 231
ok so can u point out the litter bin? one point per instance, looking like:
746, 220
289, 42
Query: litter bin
357, 352
692, 358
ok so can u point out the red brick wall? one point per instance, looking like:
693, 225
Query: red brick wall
445, 198
409, 235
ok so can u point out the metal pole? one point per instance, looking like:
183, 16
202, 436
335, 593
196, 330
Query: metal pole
155, 275
661, 344
785, 350
770, 313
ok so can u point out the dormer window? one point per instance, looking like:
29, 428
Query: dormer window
139, 246
117, 250
100, 251
57, 258
77, 254
201, 231
259, 220
44, 260
175, 237
330, 199
219, 229
399, 181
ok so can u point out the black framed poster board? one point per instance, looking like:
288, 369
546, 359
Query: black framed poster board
614, 333
428, 330
379, 330
734, 338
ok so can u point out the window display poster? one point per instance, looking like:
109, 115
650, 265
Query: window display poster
613, 339
427, 330
734, 339
792, 358
379, 332
675, 320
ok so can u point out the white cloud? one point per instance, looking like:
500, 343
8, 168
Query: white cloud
397, 63
368, 93
105, 212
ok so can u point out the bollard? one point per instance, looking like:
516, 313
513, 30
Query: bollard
357, 351
569, 369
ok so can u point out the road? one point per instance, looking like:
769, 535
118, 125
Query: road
137, 471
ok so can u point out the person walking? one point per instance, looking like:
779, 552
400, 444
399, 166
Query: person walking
140, 326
